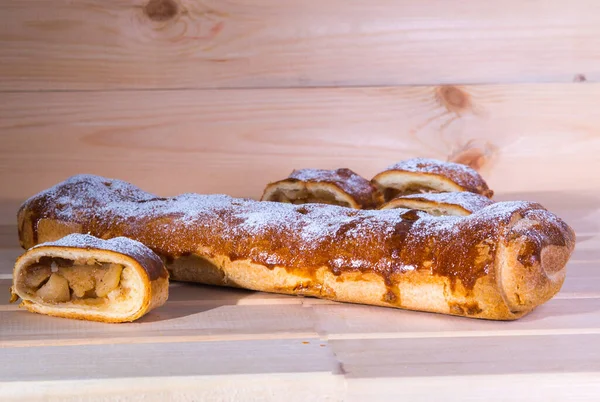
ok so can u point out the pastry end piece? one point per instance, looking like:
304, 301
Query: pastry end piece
87, 278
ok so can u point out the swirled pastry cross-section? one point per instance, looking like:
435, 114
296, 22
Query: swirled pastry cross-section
424, 175
340, 187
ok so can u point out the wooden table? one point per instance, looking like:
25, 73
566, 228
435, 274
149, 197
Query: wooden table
212, 96
224, 344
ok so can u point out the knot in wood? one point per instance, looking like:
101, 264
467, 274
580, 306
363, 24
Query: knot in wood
452, 98
161, 10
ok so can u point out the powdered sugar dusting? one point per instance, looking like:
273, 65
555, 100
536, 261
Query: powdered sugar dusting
87, 197
339, 176
462, 175
303, 237
348, 181
122, 245
428, 165
93, 191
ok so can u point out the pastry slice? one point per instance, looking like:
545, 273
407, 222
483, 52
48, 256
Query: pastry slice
87, 278
340, 187
423, 175
457, 203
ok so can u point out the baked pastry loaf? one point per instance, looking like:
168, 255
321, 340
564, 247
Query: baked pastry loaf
424, 175
497, 263
456, 203
336, 187
83, 277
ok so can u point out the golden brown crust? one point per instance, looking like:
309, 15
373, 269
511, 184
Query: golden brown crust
451, 203
149, 269
323, 250
429, 175
350, 187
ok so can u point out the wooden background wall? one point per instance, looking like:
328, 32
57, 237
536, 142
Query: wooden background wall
226, 95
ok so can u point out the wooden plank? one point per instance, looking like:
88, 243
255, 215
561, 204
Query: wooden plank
468, 357
229, 318
538, 387
234, 142
293, 387
583, 280
574, 316
9, 237
170, 323
587, 249
8, 256
96, 44
67, 366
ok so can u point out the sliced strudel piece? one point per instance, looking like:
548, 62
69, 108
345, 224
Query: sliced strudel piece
422, 175
456, 203
84, 277
340, 187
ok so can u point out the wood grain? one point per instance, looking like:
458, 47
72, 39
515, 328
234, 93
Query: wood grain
224, 96
7, 259
433, 357
583, 280
535, 387
335, 321
162, 360
9, 236
96, 44
558, 316
292, 387
524, 139
341, 370
189, 323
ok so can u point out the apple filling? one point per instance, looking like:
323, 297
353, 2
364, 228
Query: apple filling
391, 193
57, 280
305, 196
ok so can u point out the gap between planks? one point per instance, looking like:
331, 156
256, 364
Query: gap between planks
538, 370
159, 339
305, 337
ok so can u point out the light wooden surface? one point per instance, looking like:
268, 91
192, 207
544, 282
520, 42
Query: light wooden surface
211, 343
522, 138
224, 96
115, 44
